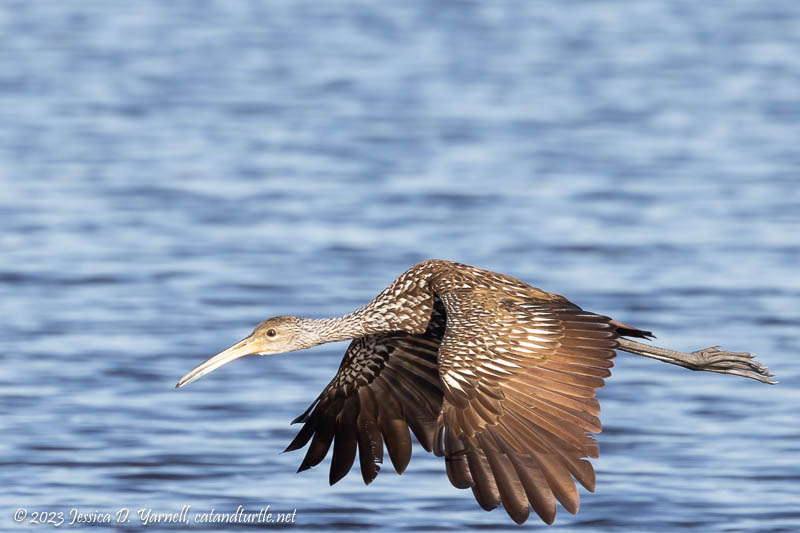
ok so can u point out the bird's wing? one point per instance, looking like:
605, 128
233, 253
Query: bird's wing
386, 383
519, 378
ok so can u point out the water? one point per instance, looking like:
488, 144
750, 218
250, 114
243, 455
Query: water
174, 172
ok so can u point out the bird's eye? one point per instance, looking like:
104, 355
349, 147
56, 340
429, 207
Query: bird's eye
271, 333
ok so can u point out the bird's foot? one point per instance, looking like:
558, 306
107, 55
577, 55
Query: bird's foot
713, 359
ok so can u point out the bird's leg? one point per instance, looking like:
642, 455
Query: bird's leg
709, 359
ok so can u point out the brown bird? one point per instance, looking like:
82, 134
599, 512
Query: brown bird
494, 375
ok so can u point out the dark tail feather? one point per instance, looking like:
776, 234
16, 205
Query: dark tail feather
624, 330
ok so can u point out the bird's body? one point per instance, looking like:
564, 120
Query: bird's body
496, 376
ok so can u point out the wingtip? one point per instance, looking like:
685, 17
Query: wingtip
521, 517
292, 447
369, 477
337, 473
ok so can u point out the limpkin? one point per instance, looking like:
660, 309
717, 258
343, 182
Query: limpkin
494, 375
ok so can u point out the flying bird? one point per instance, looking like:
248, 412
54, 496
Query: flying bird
496, 376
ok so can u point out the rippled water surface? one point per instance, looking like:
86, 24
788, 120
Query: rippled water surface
171, 173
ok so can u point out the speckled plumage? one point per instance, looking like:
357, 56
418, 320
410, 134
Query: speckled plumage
496, 376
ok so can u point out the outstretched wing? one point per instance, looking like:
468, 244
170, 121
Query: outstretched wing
386, 384
519, 377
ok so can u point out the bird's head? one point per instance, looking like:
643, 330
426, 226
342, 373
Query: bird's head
275, 335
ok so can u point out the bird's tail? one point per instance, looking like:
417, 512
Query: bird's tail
624, 330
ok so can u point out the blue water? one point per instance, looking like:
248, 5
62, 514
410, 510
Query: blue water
173, 172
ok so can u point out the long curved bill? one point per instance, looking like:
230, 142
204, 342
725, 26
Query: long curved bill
244, 347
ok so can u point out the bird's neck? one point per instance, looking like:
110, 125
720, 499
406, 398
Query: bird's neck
405, 305
316, 331
362, 322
